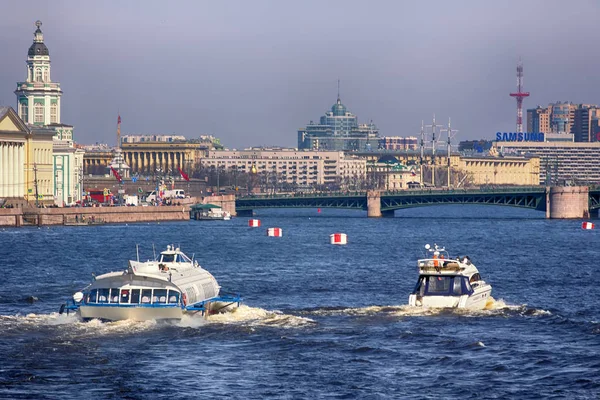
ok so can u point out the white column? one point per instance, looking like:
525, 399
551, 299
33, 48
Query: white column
10, 171
2, 189
21, 166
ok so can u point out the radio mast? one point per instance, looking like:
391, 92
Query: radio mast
519, 95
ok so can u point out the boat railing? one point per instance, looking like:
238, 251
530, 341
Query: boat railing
445, 264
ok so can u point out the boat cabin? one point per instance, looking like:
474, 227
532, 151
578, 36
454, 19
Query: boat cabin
134, 296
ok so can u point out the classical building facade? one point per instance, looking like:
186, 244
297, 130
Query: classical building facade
495, 170
164, 157
13, 136
303, 168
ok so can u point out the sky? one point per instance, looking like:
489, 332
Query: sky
253, 72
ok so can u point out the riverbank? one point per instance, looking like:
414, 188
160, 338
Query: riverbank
17, 217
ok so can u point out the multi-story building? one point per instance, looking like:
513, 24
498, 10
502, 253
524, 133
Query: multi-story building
560, 162
302, 168
398, 143
581, 120
538, 120
586, 124
338, 130
38, 100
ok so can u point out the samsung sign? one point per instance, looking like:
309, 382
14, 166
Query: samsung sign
519, 137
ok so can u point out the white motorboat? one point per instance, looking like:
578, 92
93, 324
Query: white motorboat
446, 282
209, 212
164, 288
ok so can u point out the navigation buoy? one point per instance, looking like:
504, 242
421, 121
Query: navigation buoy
254, 223
338, 238
587, 225
276, 232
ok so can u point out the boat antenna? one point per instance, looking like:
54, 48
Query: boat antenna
154, 251
137, 251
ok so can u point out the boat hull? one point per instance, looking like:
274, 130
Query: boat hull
476, 301
119, 313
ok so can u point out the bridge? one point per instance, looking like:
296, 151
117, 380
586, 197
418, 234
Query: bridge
556, 202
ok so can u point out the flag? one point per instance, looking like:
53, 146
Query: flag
116, 174
183, 174
413, 172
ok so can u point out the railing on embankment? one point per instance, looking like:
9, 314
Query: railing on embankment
92, 215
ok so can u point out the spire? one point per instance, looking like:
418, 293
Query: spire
338, 98
38, 35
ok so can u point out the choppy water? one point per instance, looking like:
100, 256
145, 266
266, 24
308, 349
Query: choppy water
319, 321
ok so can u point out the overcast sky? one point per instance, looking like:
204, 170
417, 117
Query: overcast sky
253, 72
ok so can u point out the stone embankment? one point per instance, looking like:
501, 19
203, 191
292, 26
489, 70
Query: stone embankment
16, 217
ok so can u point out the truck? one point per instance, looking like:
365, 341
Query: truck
131, 200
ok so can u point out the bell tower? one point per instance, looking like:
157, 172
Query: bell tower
38, 98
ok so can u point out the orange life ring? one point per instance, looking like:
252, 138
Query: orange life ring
184, 298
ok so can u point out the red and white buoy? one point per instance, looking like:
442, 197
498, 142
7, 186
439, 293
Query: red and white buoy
276, 232
587, 225
338, 238
254, 223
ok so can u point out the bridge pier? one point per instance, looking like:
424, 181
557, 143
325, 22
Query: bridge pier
373, 204
567, 202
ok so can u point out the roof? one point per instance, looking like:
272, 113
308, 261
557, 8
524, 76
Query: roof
204, 206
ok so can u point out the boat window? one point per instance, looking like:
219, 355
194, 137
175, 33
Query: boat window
457, 287
135, 296
168, 258
114, 295
475, 278
103, 295
160, 296
93, 296
125, 295
439, 285
146, 295
173, 297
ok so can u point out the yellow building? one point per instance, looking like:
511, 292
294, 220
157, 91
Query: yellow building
39, 171
147, 157
13, 134
491, 170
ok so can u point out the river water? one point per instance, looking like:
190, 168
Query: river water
318, 321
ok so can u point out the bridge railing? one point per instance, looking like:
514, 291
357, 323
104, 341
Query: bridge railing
481, 189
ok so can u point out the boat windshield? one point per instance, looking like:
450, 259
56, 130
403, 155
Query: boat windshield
435, 285
167, 258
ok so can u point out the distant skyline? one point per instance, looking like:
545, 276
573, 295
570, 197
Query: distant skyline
253, 73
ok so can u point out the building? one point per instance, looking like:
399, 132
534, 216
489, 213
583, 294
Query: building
580, 120
301, 169
586, 127
496, 170
538, 120
38, 100
338, 130
39, 166
398, 143
560, 162
13, 136
387, 173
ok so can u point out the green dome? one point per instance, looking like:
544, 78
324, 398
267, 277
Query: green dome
338, 109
